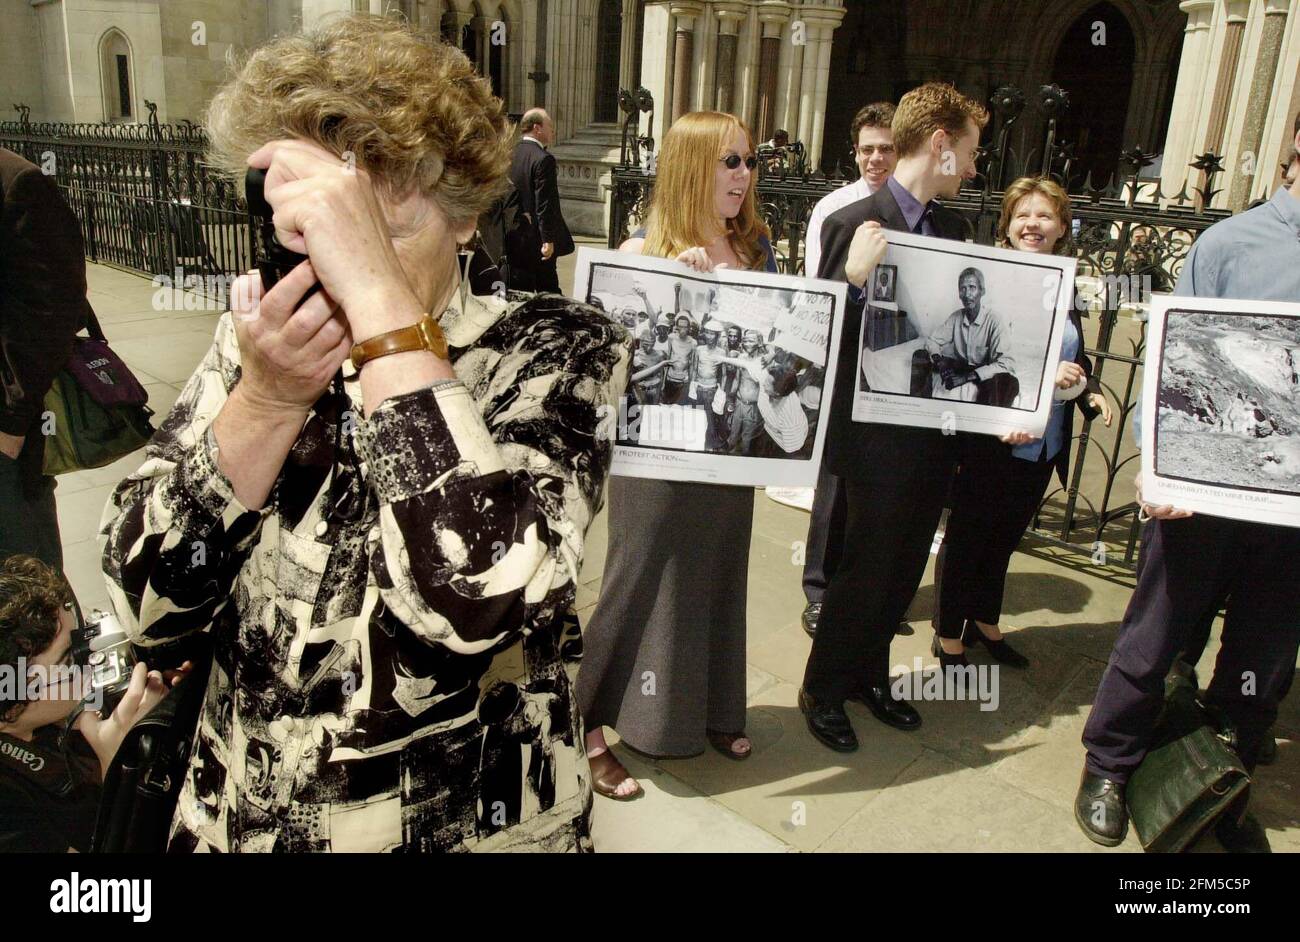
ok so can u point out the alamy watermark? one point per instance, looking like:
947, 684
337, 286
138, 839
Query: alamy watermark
972, 682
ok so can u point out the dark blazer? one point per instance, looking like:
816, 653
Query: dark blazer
868, 452
533, 174
42, 297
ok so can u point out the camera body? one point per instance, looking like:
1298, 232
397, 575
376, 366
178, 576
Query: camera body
101, 648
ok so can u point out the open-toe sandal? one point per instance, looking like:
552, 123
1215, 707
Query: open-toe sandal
607, 773
725, 744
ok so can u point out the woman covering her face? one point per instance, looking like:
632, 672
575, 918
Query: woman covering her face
381, 546
1001, 483
673, 599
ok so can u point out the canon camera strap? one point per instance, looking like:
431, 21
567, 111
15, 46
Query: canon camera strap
33, 762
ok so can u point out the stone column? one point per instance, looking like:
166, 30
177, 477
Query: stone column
683, 55
769, 59
822, 77
808, 84
627, 72
724, 70
1187, 95
1257, 107
1234, 32
729, 17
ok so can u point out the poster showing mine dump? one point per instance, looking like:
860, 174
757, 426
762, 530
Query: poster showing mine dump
1221, 408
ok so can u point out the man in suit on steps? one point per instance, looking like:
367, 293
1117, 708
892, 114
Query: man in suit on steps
542, 238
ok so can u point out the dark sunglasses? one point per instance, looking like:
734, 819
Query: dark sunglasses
734, 160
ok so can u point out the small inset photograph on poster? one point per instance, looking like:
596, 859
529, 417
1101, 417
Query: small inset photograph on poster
1221, 408
961, 336
731, 371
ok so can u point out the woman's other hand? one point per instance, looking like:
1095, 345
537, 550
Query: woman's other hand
288, 353
1102, 405
865, 252
1017, 438
1069, 373
698, 259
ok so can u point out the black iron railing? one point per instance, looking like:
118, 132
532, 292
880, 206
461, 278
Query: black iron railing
1131, 240
145, 198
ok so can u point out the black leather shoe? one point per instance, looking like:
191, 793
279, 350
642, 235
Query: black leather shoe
830, 724
1001, 650
896, 713
1100, 810
1247, 837
812, 611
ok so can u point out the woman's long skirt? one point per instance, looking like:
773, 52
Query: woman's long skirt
665, 649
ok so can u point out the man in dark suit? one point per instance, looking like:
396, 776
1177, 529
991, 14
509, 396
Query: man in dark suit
895, 477
42, 306
542, 236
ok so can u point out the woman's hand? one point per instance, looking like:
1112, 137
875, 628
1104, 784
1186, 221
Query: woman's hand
329, 210
1100, 403
698, 259
288, 354
142, 695
1069, 373
1017, 438
1161, 511
865, 252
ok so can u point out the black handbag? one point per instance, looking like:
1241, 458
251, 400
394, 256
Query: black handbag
144, 781
1191, 775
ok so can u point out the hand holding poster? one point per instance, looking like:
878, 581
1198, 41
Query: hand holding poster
731, 371
960, 335
1221, 408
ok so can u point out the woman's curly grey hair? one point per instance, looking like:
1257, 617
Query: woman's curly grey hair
410, 108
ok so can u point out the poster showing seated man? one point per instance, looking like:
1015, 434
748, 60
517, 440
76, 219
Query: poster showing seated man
961, 337
727, 387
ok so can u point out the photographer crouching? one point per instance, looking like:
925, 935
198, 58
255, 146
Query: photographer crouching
50, 773
374, 490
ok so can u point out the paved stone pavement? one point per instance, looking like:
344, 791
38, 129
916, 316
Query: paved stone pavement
968, 780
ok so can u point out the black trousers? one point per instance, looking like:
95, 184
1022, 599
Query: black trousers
994, 498
825, 543
1188, 570
886, 545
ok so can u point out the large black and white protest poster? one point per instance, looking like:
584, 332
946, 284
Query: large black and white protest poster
731, 372
961, 337
1221, 408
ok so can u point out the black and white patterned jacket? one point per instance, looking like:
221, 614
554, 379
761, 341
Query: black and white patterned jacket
387, 672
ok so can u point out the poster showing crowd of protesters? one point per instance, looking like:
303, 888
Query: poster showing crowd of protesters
961, 337
731, 373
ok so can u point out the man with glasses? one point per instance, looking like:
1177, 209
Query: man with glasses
873, 151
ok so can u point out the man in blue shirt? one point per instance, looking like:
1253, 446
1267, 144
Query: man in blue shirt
1193, 565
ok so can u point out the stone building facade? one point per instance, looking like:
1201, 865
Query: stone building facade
1176, 79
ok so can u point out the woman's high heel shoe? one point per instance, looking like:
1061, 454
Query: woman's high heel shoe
946, 659
1001, 651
